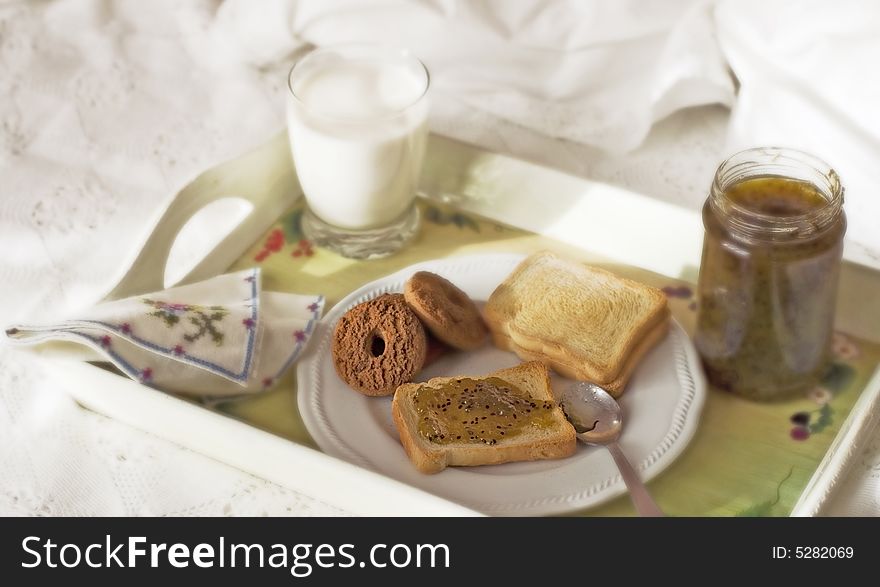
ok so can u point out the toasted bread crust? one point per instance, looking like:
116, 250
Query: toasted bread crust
615, 386
615, 354
428, 457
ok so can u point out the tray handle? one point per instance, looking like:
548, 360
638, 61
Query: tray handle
269, 167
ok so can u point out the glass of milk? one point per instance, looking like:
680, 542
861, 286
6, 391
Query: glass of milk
356, 118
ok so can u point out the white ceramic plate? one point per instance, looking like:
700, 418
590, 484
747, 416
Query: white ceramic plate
661, 410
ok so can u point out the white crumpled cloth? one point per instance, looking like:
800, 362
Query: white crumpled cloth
599, 73
808, 80
110, 107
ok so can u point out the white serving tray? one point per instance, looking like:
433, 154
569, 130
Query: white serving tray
623, 226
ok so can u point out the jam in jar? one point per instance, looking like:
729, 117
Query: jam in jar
768, 280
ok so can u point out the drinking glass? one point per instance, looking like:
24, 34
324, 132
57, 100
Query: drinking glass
357, 122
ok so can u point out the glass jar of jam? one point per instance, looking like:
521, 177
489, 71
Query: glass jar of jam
768, 280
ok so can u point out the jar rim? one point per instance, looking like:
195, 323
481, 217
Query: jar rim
785, 163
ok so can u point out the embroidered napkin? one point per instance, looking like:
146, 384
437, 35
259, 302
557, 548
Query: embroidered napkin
219, 337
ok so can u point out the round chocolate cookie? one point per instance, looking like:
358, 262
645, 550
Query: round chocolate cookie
445, 310
378, 345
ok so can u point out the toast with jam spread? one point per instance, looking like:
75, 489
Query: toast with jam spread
508, 415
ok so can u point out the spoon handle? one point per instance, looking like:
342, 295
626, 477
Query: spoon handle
642, 500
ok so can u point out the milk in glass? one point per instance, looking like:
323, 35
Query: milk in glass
357, 125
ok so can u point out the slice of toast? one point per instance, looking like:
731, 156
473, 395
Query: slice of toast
539, 430
592, 324
573, 370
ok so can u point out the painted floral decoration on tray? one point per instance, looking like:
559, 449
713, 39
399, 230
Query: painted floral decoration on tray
840, 375
287, 232
445, 216
435, 215
765, 508
682, 292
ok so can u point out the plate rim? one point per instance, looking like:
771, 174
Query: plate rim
682, 427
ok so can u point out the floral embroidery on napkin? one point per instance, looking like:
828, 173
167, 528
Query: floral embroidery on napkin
145, 375
219, 337
300, 338
204, 318
201, 322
